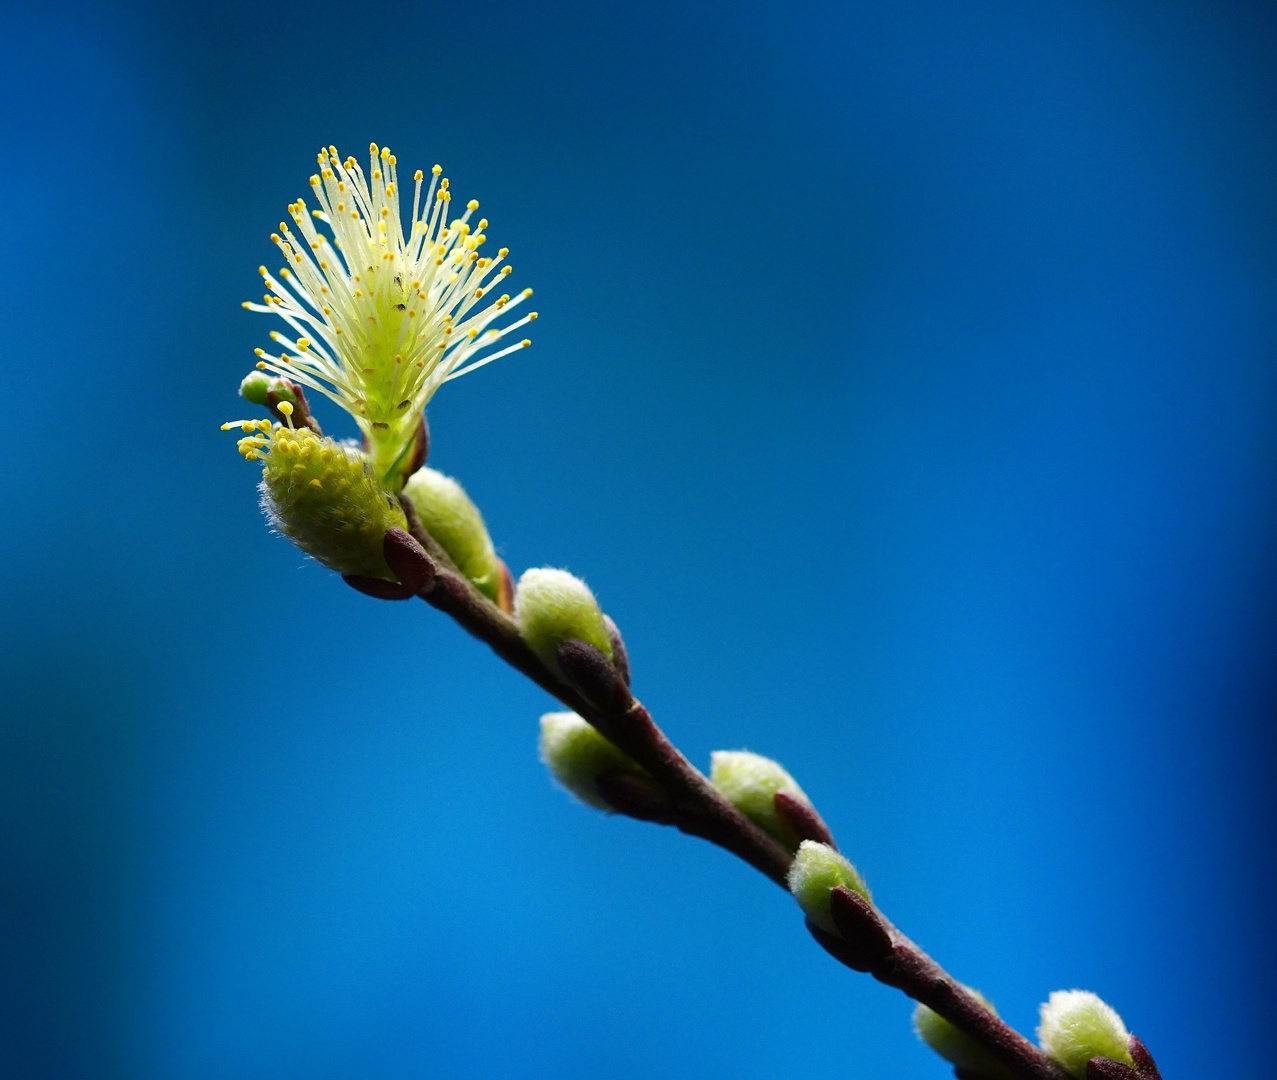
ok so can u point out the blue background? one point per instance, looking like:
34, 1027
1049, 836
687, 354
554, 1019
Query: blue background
904, 387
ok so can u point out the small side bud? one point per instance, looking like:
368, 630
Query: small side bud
866, 941
450, 516
1145, 1066
595, 676
1077, 1026
255, 387
577, 755
959, 1049
320, 494
750, 782
551, 607
817, 870
408, 560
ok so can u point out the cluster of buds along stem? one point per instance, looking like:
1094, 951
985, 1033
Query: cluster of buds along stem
380, 315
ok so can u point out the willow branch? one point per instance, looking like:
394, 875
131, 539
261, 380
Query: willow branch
594, 688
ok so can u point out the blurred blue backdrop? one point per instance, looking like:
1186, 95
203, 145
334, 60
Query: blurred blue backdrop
904, 387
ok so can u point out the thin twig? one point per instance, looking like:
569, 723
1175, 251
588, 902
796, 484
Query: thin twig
599, 692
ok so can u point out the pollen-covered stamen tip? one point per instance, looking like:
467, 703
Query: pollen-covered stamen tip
252, 446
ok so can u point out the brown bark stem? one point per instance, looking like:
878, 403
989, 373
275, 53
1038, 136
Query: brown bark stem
599, 693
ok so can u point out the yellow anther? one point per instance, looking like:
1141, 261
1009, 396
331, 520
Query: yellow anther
527, 293
526, 342
473, 204
506, 269
437, 169
264, 426
478, 293
286, 407
261, 365
444, 183
503, 253
247, 425
472, 334
314, 181
246, 304
317, 485
419, 176
303, 343
532, 316
376, 174
372, 149
483, 222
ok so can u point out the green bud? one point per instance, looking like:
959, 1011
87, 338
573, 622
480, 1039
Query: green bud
1077, 1026
551, 607
255, 386
816, 871
320, 494
955, 1047
750, 782
455, 522
576, 753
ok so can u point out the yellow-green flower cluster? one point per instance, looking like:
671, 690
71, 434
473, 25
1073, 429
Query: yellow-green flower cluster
322, 495
383, 313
